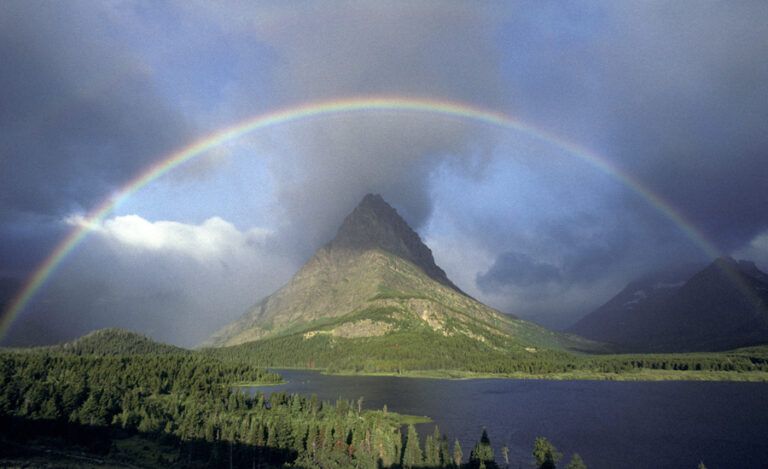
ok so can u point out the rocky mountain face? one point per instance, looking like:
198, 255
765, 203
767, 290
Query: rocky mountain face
377, 279
720, 307
374, 224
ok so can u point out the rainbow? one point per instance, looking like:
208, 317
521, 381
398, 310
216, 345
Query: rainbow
316, 110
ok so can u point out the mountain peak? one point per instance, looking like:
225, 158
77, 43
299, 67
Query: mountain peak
730, 266
374, 285
374, 224
374, 201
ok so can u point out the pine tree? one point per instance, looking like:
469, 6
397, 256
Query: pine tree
382, 446
412, 455
432, 449
545, 453
429, 451
271, 437
482, 453
458, 455
578, 463
445, 453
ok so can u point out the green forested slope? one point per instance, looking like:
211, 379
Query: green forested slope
426, 352
112, 341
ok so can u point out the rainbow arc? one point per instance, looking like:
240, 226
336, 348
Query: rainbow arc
318, 110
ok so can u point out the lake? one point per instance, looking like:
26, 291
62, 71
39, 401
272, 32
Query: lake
665, 424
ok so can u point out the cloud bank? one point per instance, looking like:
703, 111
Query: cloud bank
178, 281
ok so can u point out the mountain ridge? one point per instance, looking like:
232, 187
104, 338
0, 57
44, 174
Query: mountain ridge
719, 307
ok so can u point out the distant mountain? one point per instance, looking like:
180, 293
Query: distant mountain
374, 292
114, 342
720, 307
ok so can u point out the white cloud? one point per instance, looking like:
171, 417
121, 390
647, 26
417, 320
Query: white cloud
756, 251
212, 239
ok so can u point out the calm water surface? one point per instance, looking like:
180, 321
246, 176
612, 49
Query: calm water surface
611, 424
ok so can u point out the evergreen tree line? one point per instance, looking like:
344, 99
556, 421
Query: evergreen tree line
96, 389
189, 400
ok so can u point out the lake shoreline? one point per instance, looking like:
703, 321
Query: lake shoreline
631, 424
639, 376
258, 385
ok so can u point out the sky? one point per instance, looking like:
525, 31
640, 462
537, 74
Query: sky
674, 95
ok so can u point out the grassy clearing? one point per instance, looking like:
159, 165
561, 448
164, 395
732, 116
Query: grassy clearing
255, 384
400, 419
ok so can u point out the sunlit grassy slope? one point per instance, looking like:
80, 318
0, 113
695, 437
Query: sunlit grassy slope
373, 310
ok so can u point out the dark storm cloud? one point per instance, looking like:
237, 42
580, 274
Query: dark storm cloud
584, 251
80, 114
514, 268
706, 147
674, 92
26, 241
